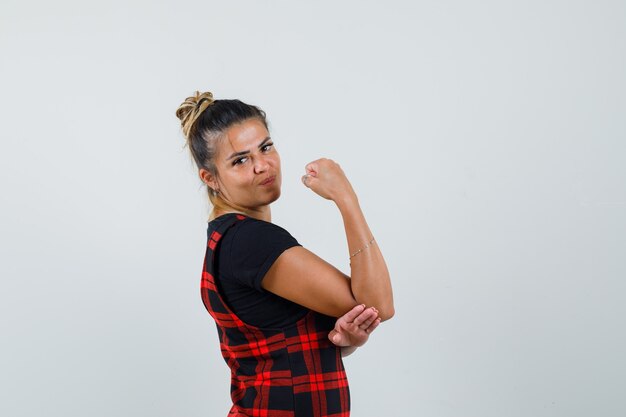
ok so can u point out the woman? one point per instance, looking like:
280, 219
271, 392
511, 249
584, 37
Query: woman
274, 302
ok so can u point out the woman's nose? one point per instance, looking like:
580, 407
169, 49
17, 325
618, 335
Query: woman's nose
260, 165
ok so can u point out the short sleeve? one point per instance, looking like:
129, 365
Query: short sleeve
255, 245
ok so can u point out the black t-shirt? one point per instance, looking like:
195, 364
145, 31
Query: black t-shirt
245, 253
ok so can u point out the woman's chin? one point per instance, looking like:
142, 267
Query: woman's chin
270, 194
275, 195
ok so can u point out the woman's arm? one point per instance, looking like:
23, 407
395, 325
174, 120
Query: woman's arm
304, 278
370, 282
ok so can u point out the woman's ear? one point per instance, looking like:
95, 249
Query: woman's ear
208, 178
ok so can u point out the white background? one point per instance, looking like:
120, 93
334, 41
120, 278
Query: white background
485, 141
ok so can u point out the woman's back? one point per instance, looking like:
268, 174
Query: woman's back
291, 371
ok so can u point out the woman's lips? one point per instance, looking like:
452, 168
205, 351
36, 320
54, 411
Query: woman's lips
269, 180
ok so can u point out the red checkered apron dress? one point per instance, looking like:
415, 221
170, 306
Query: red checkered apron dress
287, 372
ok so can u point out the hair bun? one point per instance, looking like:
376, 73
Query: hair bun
192, 108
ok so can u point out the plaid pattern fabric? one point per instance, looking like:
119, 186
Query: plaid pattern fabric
290, 372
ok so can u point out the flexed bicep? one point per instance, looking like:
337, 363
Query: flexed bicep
306, 279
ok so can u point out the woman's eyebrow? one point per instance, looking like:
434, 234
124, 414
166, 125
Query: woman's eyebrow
246, 152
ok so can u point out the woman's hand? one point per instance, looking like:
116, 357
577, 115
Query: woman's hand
354, 327
326, 178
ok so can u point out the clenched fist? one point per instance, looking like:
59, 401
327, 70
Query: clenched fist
326, 178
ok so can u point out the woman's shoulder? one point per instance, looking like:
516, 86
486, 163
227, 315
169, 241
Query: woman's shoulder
246, 223
248, 232
251, 229
252, 223
250, 246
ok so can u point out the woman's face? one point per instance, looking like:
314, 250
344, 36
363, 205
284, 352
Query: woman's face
245, 158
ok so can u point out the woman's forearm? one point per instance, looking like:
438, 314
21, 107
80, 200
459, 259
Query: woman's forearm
370, 280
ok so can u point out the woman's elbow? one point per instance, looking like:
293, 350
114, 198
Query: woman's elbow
386, 313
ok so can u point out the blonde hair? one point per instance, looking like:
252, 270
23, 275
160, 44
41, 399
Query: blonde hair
191, 108
204, 120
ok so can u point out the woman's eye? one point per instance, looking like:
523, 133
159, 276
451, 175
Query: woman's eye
237, 161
